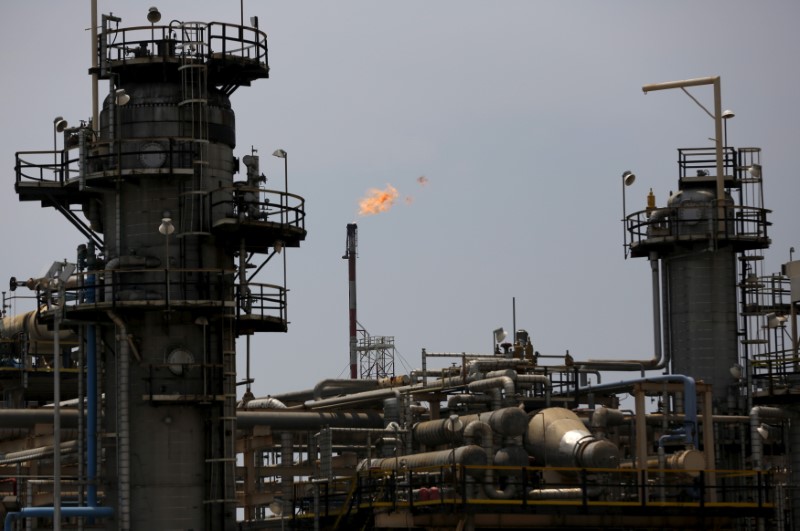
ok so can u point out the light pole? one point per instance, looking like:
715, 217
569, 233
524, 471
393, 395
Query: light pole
726, 115
717, 116
627, 179
166, 228
281, 154
59, 124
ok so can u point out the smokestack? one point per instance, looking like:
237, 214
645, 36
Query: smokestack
350, 255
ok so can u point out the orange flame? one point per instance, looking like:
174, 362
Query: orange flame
377, 201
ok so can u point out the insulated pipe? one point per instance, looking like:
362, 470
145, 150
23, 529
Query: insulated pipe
453, 401
338, 386
493, 364
69, 447
500, 382
307, 420
470, 455
509, 422
602, 417
25, 323
350, 400
264, 403
123, 424
473, 430
525, 380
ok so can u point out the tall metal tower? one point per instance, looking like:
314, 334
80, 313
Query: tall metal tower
171, 237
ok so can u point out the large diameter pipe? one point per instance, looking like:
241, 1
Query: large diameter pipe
25, 323
557, 437
469, 456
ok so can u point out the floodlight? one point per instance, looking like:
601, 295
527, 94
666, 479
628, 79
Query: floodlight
628, 177
153, 15
121, 97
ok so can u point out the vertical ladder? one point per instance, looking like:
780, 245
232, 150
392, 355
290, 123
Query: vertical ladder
194, 105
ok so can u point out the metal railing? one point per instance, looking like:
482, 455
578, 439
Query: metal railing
744, 224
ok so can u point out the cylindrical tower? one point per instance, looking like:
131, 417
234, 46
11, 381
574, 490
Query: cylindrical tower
177, 233
697, 253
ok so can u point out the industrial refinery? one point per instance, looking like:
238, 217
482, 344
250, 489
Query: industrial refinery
123, 408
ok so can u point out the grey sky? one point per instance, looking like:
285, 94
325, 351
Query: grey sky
522, 115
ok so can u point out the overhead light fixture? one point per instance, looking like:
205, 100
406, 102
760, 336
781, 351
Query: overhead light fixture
276, 507
755, 170
281, 154
628, 177
59, 124
726, 114
121, 97
153, 15
737, 371
499, 334
166, 228
774, 320
768, 432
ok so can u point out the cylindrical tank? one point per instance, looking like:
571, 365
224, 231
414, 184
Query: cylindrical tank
557, 437
701, 294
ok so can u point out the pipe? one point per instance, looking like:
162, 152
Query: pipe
123, 425
504, 382
350, 255
308, 420
509, 422
478, 428
338, 386
689, 394
287, 481
95, 77
57, 417
69, 447
263, 403
25, 323
658, 361
470, 456
47, 512
350, 400
525, 380
453, 401
557, 437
